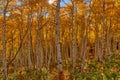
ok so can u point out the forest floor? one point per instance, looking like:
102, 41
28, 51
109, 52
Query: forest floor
109, 69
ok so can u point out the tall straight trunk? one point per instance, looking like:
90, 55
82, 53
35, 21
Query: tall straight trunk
4, 45
108, 38
87, 22
46, 47
21, 38
59, 59
39, 51
103, 25
12, 46
50, 55
21, 50
84, 45
4, 40
73, 38
76, 36
29, 54
96, 41
29, 42
41, 54
81, 42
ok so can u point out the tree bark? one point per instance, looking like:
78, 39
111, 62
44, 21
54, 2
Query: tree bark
4, 41
59, 59
103, 25
39, 52
96, 41
4, 46
73, 37
29, 42
84, 45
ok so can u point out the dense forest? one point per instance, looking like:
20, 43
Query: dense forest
42, 40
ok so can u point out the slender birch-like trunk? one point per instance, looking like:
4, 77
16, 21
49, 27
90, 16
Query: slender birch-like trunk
4, 40
87, 22
73, 37
59, 57
84, 45
4, 46
21, 38
39, 50
103, 25
29, 42
108, 39
96, 41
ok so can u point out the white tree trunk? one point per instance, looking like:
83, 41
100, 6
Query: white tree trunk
58, 36
73, 38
